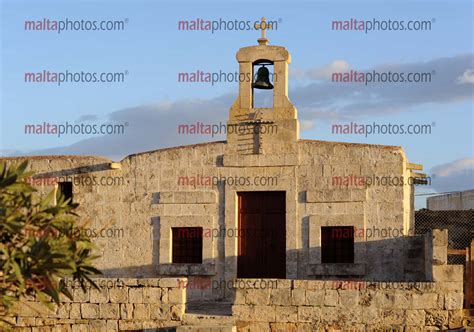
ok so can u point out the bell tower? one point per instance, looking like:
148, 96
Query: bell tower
262, 131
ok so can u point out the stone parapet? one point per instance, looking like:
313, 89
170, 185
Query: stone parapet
349, 305
119, 304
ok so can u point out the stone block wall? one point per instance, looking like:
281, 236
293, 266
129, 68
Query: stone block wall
268, 304
381, 208
463, 200
120, 304
310, 305
149, 199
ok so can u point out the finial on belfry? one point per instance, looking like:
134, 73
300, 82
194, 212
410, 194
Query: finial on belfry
263, 26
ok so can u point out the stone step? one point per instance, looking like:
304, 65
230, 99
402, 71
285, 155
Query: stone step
208, 317
209, 308
208, 320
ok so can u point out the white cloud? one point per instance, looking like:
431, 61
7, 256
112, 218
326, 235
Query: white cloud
322, 73
325, 72
454, 167
457, 175
467, 77
306, 125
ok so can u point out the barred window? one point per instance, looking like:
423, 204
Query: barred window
337, 244
187, 245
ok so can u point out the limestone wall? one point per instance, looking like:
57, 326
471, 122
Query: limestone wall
269, 304
310, 305
259, 305
148, 197
313, 305
463, 200
381, 208
121, 304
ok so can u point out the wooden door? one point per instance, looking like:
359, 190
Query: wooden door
262, 235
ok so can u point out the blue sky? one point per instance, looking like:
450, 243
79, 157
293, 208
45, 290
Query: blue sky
153, 51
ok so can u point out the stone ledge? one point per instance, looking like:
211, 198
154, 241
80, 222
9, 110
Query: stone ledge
337, 269
321, 220
205, 221
207, 269
116, 282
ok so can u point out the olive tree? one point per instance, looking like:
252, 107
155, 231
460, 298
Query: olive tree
41, 242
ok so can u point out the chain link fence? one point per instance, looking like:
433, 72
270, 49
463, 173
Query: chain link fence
460, 226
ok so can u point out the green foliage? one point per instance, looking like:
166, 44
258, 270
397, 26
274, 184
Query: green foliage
40, 243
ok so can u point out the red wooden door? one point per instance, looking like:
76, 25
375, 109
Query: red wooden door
262, 236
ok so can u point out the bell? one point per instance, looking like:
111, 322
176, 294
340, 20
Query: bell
263, 79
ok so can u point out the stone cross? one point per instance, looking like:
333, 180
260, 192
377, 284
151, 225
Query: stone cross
263, 26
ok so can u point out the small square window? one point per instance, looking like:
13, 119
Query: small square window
65, 190
187, 245
337, 244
